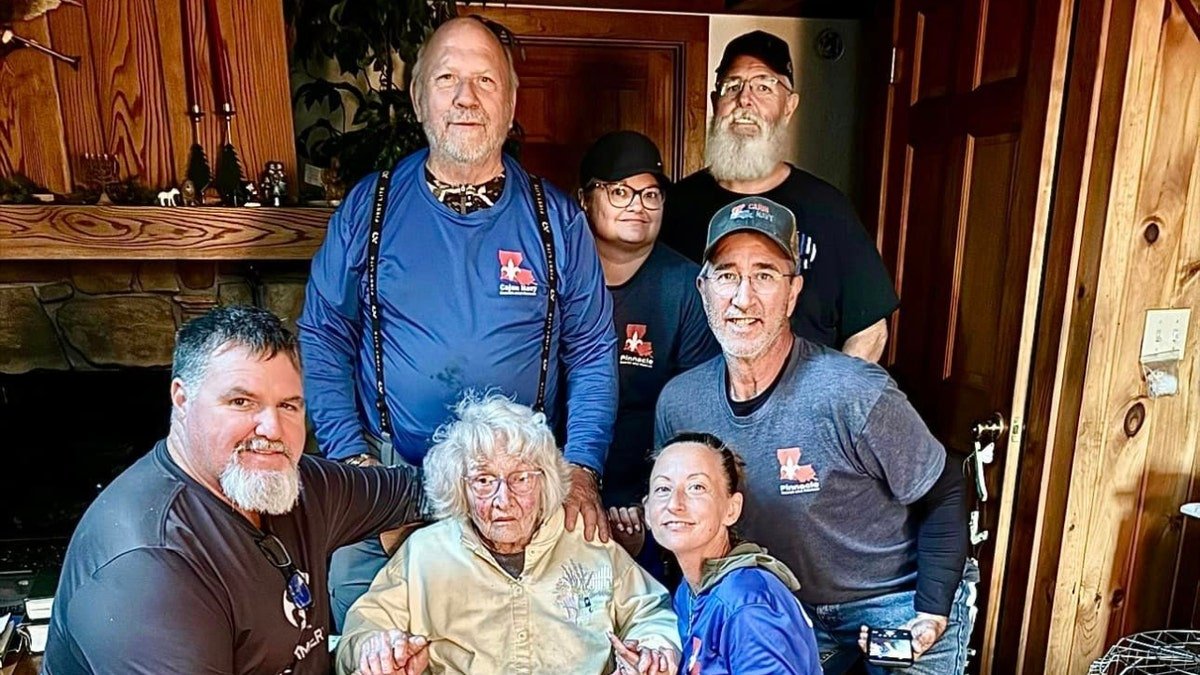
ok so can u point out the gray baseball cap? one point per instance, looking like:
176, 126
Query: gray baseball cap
756, 214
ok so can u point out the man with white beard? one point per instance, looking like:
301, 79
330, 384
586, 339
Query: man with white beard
848, 294
209, 554
457, 270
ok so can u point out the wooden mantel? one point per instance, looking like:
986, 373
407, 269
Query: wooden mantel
160, 233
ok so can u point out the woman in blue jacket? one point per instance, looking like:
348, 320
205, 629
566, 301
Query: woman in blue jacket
736, 610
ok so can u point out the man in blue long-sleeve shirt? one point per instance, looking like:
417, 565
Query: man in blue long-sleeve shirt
462, 284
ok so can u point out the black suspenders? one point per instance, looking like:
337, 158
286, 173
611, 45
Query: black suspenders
378, 208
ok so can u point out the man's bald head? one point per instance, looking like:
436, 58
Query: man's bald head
462, 32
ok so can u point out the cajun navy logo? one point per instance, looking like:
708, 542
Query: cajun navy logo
515, 279
637, 350
795, 478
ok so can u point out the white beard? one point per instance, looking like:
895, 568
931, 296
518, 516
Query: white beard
731, 157
270, 492
457, 146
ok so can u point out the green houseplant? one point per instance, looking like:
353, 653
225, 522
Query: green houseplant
361, 116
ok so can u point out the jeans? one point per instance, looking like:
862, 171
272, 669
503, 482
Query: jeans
837, 629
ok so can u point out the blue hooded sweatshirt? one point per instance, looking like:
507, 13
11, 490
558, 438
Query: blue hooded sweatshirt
744, 619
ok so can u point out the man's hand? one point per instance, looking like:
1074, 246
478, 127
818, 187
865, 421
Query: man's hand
632, 658
362, 460
628, 528
926, 630
584, 498
393, 651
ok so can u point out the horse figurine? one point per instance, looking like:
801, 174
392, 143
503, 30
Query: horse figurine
169, 197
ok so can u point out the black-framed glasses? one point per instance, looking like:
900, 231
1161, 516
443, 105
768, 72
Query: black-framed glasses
621, 195
726, 283
761, 86
486, 485
274, 551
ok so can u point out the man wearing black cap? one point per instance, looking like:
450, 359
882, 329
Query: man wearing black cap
848, 292
660, 324
844, 482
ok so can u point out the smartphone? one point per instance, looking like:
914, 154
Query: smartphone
889, 647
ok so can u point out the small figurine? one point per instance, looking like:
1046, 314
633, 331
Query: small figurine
187, 190
169, 197
273, 184
334, 189
252, 196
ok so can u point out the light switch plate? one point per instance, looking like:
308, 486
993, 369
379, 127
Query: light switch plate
1166, 334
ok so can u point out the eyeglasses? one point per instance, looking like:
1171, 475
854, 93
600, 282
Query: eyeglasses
761, 86
726, 283
621, 195
275, 553
486, 485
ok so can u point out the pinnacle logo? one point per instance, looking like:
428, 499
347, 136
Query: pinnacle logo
795, 478
637, 350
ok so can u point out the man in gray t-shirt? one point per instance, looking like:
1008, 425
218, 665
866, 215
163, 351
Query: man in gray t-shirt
845, 483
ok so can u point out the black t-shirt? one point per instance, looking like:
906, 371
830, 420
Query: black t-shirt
161, 576
846, 286
661, 332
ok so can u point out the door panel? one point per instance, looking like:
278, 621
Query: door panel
961, 165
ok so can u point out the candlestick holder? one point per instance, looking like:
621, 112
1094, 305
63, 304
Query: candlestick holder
229, 181
100, 171
198, 170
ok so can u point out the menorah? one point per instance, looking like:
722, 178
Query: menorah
100, 171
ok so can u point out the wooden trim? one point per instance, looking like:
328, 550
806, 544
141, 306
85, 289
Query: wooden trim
1096, 84
158, 233
1046, 92
675, 6
689, 34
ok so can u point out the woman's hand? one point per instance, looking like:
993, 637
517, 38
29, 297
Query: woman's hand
628, 526
632, 658
393, 651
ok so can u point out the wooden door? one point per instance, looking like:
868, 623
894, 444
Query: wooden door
963, 163
586, 73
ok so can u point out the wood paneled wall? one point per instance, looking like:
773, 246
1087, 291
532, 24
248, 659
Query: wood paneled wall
127, 97
1127, 560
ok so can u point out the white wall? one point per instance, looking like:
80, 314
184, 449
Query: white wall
824, 130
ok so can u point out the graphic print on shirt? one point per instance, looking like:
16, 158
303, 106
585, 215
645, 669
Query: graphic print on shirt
298, 617
514, 279
795, 478
579, 592
637, 350
693, 664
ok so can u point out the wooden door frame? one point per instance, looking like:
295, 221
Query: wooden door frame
686, 34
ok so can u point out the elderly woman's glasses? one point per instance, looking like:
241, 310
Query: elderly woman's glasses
726, 283
275, 553
761, 86
486, 485
621, 195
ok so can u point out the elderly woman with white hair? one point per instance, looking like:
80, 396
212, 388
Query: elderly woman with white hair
498, 584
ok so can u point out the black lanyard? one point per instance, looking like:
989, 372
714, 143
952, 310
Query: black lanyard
378, 208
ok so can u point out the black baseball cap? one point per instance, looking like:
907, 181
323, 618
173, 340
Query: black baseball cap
618, 155
768, 48
756, 214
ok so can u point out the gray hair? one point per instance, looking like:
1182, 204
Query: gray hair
486, 425
417, 77
255, 329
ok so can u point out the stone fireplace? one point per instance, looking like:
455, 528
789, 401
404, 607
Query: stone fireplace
85, 354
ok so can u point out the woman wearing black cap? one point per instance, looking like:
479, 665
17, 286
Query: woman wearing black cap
660, 323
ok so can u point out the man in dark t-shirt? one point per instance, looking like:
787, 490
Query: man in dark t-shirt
848, 294
206, 556
660, 323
